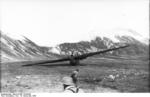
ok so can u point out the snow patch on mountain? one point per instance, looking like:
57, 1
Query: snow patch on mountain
15, 36
122, 32
92, 49
55, 50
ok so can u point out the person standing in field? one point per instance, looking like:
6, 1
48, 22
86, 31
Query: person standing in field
74, 76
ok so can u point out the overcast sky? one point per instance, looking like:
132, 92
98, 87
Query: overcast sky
50, 22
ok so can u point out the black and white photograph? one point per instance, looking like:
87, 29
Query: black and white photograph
74, 46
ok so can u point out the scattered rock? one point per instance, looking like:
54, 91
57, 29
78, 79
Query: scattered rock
112, 77
18, 77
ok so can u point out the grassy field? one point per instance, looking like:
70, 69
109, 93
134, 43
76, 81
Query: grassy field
94, 76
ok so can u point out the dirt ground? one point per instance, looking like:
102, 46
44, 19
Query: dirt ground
94, 77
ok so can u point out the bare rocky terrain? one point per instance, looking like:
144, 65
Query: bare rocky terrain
96, 76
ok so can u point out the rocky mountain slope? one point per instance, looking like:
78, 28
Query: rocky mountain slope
25, 49
136, 47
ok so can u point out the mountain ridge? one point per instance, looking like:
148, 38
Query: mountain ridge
103, 43
14, 49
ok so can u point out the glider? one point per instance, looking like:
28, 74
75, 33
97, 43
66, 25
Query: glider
74, 59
